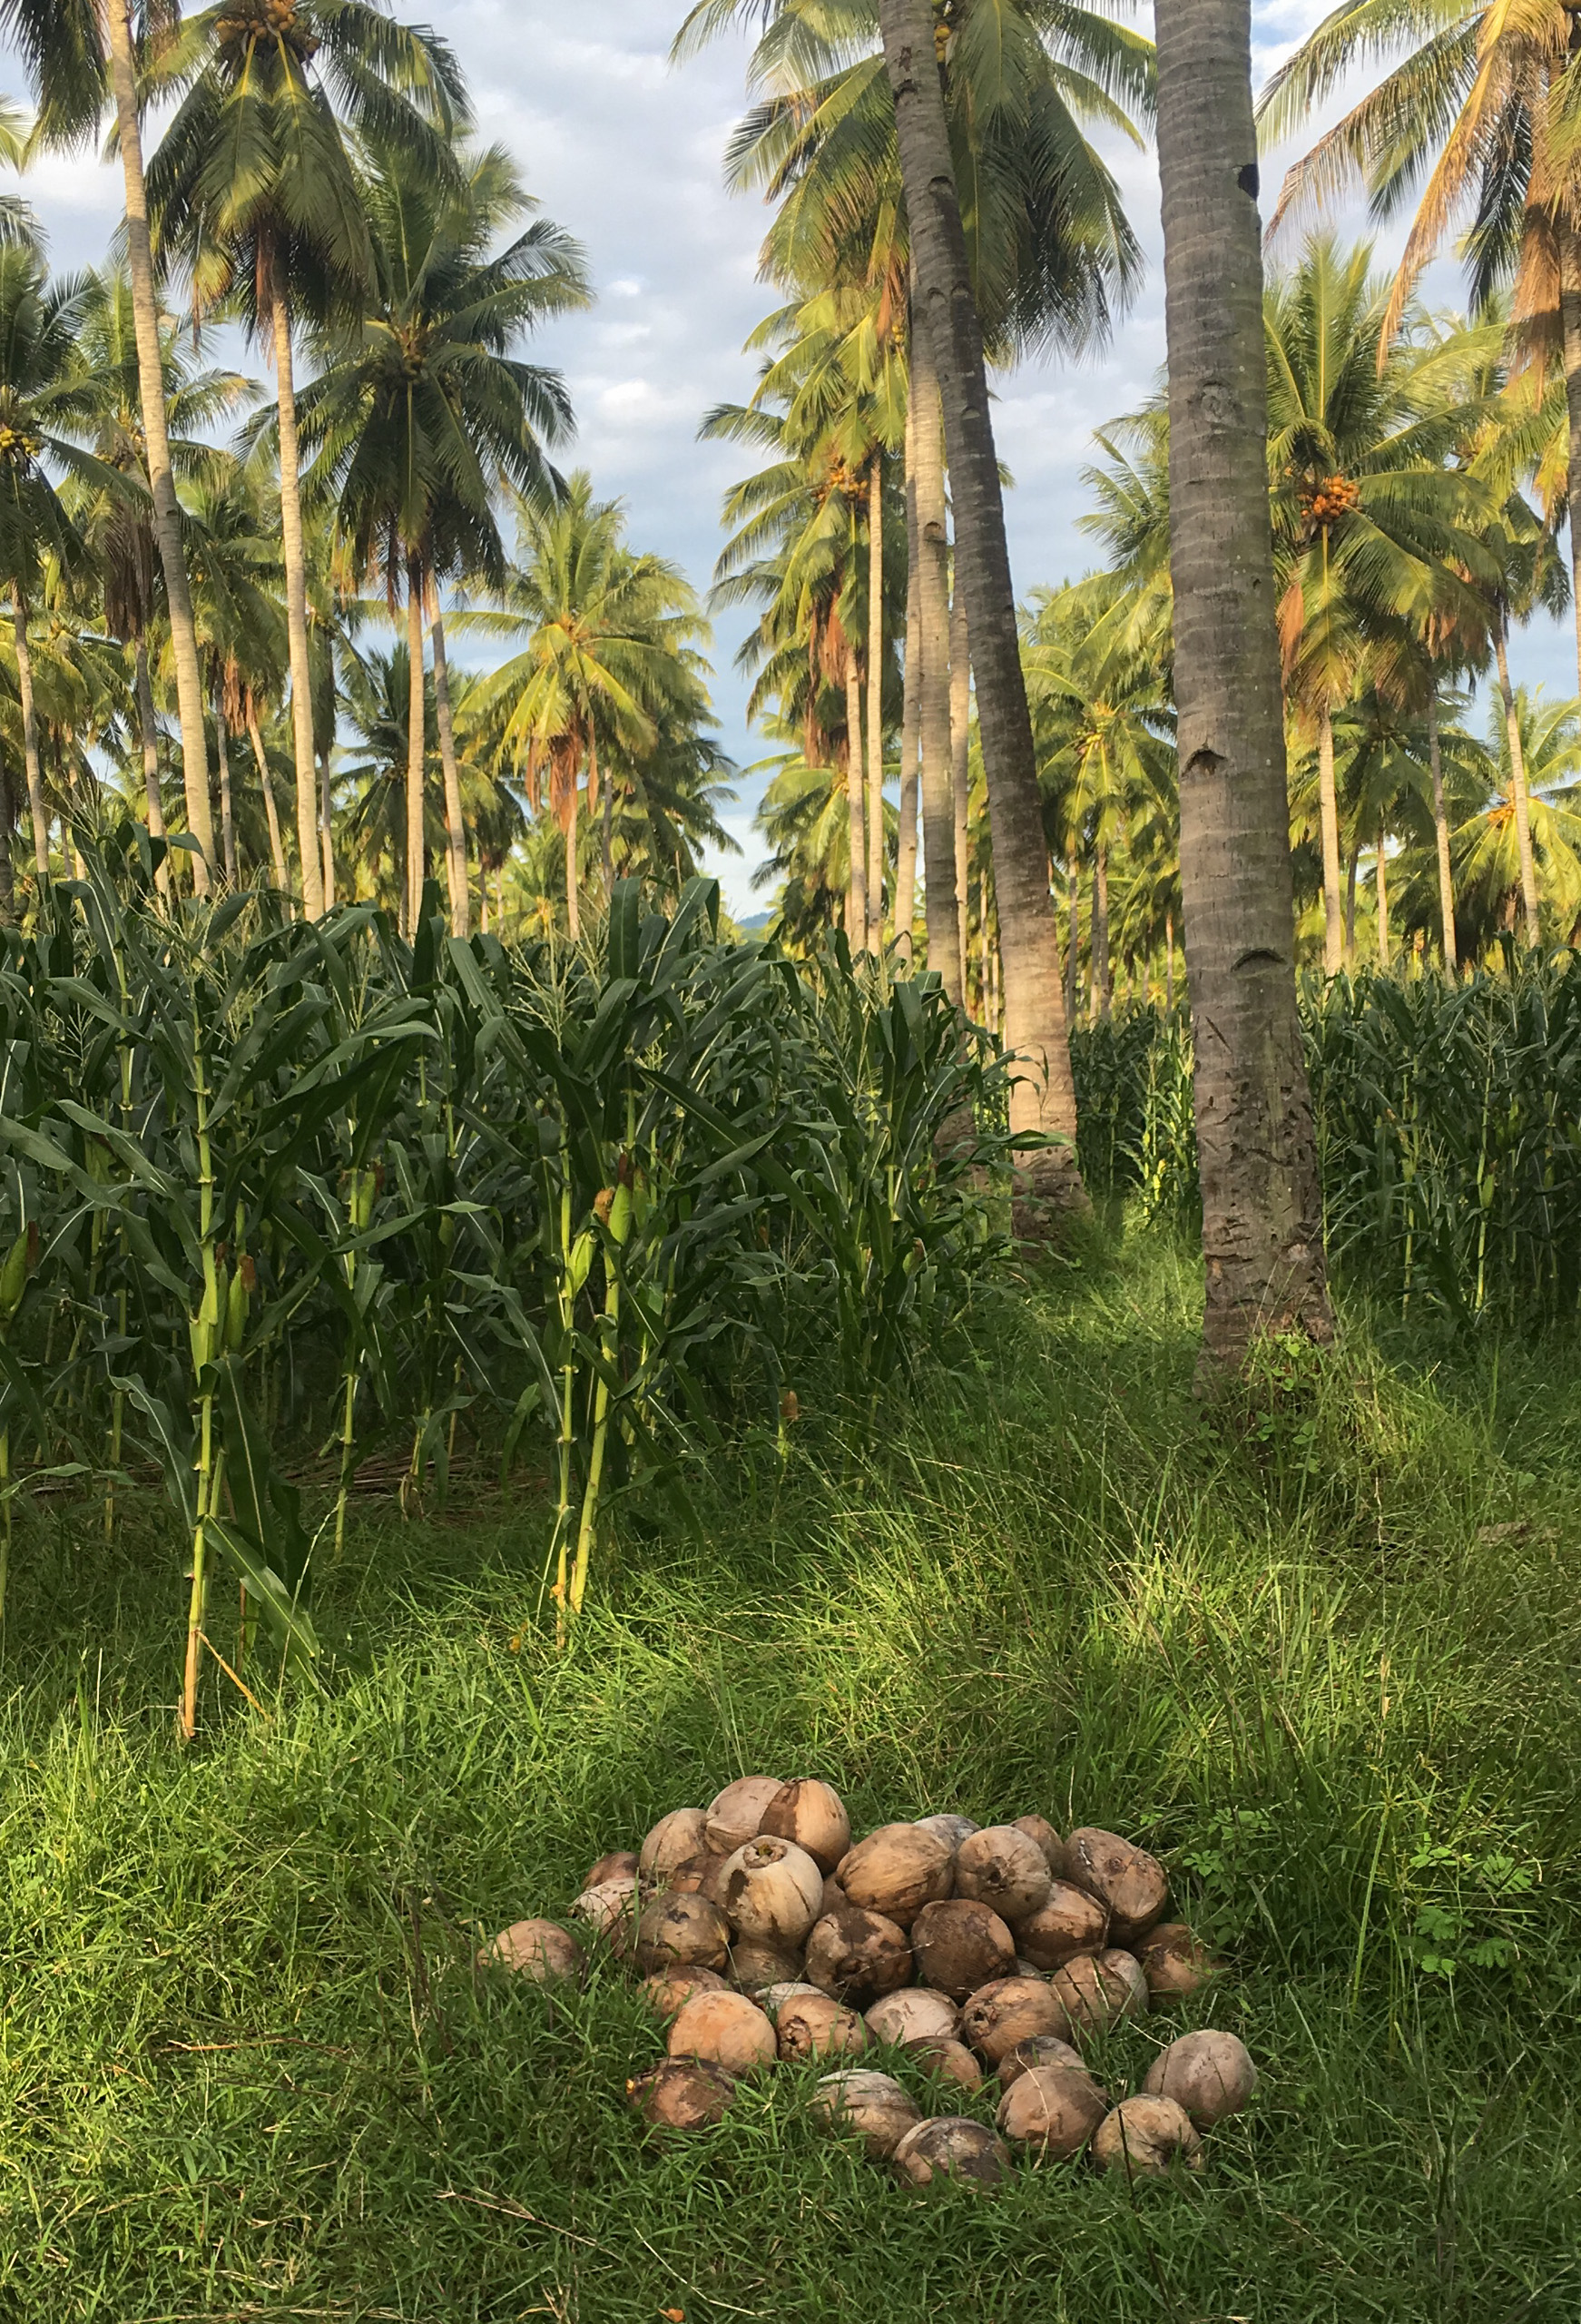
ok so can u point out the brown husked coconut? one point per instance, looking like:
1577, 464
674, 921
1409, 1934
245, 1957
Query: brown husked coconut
610, 1911
896, 1871
951, 2146
816, 2025
959, 1945
754, 1966
856, 1955
774, 1997
725, 2028
680, 1932
1145, 2136
1069, 1922
1174, 1962
619, 1865
1039, 1828
771, 1891
1131, 1885
1040, 2050
675, 1839
951, 1829
669, 1990
1012, 2010
1005, 1868
950, 2060
541, 1951
682, 2094
1211, 2075
1095, 1991
813, 1815
736, 1815
834, 1895
913, 2014
872, 2104
701, 1876
1054, 2110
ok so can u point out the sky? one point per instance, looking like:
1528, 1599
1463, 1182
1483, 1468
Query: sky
624, 150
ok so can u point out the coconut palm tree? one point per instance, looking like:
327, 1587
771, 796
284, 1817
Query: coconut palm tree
236, 572
424, 414
255, 199
1261, 1207
78, 57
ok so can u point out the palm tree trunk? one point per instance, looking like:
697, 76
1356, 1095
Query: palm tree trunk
855, 909
325, 827
1043, 1099
943, 874
1570, 321
293, 552
167, 514
911, 708
1103, 967
1169, 962
454, 822
148, 733
1518, 794
1352, 869
1257, 1154
1382, 907
573, 902
606, 818
277, 853
30, 737
876, 705
417, 744
227, 804
960, 742
1072, 959
1441, 835
1334, 944
7, 871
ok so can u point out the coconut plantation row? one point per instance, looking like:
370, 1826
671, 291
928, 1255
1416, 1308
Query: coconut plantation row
844, 1612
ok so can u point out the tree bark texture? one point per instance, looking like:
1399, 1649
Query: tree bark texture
167, 512
293, 555
1441, 836
1519, 795
1261, 1207
277, 853
1334, 942
1570, 325
1103, 967
1043, 1099
1073, 958
941, 874
960, 750
856, 910
876, 706
227, 804
573, 899
454, 822
910, 710
30, 760
1382, 905
326, 829
416, 746
147, 734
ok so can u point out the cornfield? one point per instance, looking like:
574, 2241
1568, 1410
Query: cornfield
282, 1196
1449, 1127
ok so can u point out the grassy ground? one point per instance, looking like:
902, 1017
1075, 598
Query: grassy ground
1327, 1666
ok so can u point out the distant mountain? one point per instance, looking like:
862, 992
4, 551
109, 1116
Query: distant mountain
757, 926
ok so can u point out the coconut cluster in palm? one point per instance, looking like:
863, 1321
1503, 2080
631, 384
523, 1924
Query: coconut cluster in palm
763, 1934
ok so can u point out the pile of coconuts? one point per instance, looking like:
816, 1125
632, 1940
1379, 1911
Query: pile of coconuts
760, 1934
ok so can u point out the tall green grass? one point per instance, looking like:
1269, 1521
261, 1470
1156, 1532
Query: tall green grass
1324, 1661
1449, 1131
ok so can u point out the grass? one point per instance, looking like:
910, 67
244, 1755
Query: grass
1326, 1664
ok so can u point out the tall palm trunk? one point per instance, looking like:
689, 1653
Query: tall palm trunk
294, 557
606, 841
1352, 871
910, 708
1334, 945
960, 745
1169, 962
1261, 1210
1382, 906
1517, 790
227, 804
1441, 834
7, 871
167, 512
1043, 1099
30, 759
325, 828
148, 734
277, 853
1072, 963
573, 900
943, 874
417, 744
454, 822
876, 705
855, 907
1570, 322
1103, 968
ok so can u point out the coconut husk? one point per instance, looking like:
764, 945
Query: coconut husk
1145, 2137
682, 2094
669, 1990
952, 2146
1054, 2110
871, 2105
959, 1945
1003, 1868
1174, 1962
913, 2014
755, 1966
674, 1841
736, 1815
619, 1864
950, 2060
1133, 1886
896, 1871
540, 1951
1095, 1991
1039, 2050
725, 2028
1012, 2010
1039, 1828
610, 1912
679, 1931
771, 1892
816, 2025
1069, 1922
857, 1955
813, 1815
1210, 2074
